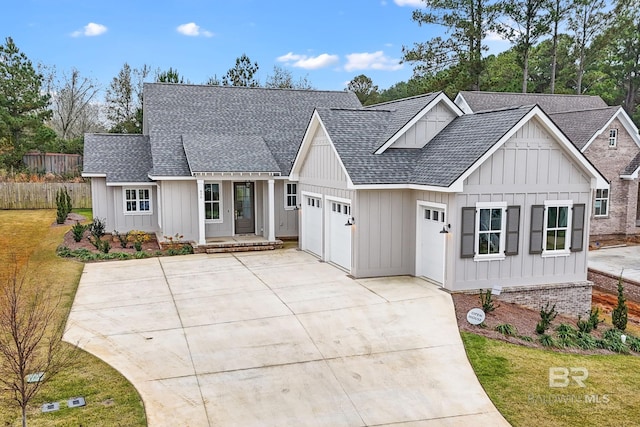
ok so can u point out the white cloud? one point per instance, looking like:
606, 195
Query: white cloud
90, 30
412, 3
193, 30
372, 61
308, 62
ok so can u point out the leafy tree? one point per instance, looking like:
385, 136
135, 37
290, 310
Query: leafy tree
214, 81
502, 72
412, 87
30, 339
283, 79
364, 89
23, 104
467, 23
585, 22
242, 74
169, 76
541, 78
73, 101
526, 23
124, 99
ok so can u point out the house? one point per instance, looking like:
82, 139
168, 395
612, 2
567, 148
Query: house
605, 135
410, 187
212, 161
467, 201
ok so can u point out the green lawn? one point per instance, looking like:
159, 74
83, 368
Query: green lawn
516, 378
111, 399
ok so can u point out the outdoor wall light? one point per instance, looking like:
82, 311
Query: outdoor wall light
445, 229
350, 221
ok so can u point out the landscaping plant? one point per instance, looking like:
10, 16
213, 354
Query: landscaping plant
546, 317
486, 301
138, 238
63, 205
123, 238
507, 329
620, 312
78, 230
97, 227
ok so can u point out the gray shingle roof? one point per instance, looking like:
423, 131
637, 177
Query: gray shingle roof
556, 103
228, 153
633, 165
581, 126
123, 158
357, 134
278, 116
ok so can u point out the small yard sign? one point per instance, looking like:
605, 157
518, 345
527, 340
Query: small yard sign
475, 316
496, 290
75, 402
50, 407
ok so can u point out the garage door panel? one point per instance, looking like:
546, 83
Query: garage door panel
312, 225
431, 262
339, 234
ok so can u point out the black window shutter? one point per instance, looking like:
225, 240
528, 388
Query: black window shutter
537, 229
513, 230
468, 233
577, 228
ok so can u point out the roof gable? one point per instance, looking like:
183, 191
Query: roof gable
120, 158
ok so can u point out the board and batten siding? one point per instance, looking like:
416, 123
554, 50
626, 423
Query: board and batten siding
126, 222
224, 228
179, 201
527, 170
100, 196
321, 166
286, 219
426, 128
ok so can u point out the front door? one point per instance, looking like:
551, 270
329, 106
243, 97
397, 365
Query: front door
244, 209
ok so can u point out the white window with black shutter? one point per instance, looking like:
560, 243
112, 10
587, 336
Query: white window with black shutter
557, 228
490, 231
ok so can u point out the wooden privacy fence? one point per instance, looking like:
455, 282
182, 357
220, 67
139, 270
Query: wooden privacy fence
42, 195
56, 163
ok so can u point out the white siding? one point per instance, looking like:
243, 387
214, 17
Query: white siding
121, 222
226, 227
286, 219
179, 209
418, 135
321, 166
529, 169
99, 201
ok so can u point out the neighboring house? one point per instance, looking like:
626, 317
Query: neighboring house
410, 187
212, 162
605, 135
414, 187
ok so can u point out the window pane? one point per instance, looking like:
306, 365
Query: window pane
131, 206
496, 219
484, 219
494, 243
483, 244
144, 205
427, 214
216, 211
562, 216
207, 192
552, 217
551, 240
435, 215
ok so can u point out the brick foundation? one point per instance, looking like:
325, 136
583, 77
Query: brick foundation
609, 283
571, 299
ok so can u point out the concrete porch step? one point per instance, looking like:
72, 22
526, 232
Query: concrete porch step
223, 247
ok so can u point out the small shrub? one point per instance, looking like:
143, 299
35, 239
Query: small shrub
594, 318
507, 329
123, 238
620, 312
567, 335
525, 338
105, 247
63, 205
547, 340
138, 238
633, 343
546, 317
611, 341
97, 227
486, 301
586, 341
78, 231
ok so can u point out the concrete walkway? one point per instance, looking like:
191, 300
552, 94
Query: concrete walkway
278, 339
614, 260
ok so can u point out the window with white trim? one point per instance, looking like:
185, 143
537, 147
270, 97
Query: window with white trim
490, 230
613, 138
557, 227
137, 201
601, 203
291, 196
212, 202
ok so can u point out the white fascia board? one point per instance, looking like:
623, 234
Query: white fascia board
315, 122
442, 97
171, 178
453, 188
242, 176
462, 103
551, 128
93, 175
131, 184
631, 177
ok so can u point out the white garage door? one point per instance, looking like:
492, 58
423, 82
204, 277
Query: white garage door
340, 234
312, 225
431, 241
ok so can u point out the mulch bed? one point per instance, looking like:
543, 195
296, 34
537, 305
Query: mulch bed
525, 320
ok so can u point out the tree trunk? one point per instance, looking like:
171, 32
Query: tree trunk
525, 70
24, 416
554, 57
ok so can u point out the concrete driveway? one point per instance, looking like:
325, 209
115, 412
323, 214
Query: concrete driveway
278, 339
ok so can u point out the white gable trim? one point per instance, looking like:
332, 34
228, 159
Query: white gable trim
132, 184
307, 140
93, 175
601, 181
440, 98
626, 121
453, 188
462, 103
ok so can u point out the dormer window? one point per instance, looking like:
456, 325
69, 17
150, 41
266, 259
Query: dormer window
613, 138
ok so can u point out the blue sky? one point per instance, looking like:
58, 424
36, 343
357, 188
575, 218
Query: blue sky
329, 41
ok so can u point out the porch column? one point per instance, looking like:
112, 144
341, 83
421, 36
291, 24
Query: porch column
201, 238
272, 211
